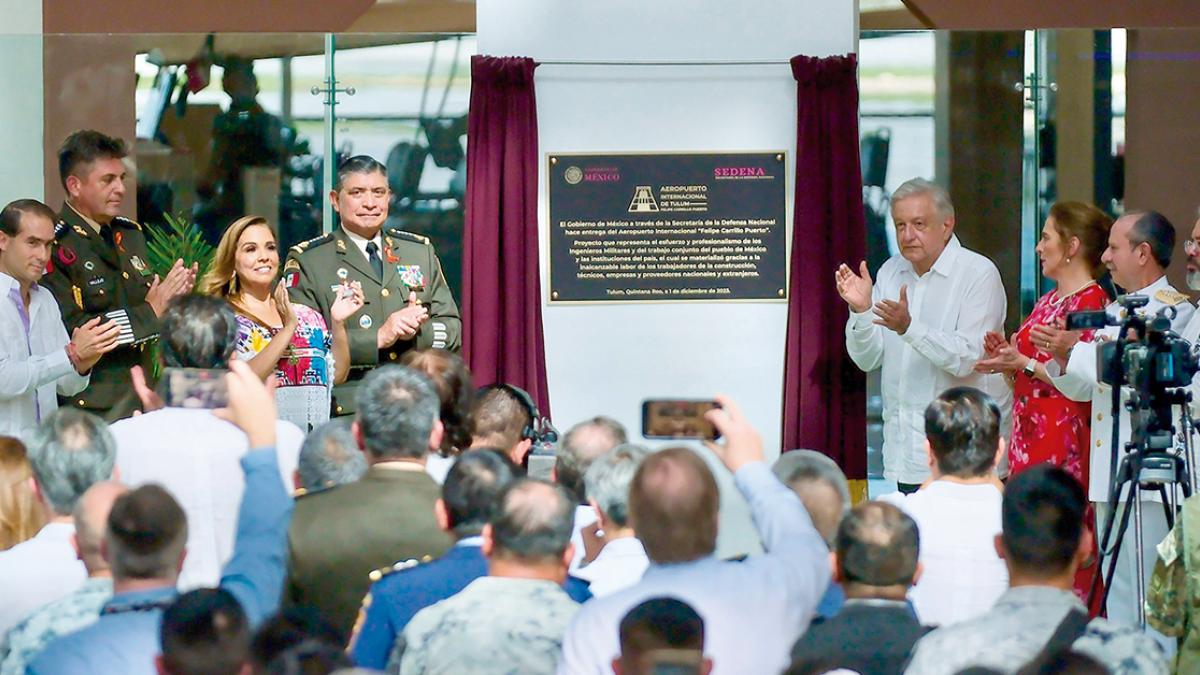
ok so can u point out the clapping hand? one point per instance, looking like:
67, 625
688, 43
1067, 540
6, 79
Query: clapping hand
283, 305
855, 289
93, 340
993, 342
1054, 339
179, 281
349, 300
893, 314
1007, 359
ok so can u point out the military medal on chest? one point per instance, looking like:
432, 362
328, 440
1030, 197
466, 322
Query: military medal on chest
411, 276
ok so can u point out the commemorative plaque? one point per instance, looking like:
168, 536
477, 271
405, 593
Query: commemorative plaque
667, 227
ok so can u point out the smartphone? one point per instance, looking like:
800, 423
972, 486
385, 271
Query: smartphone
193, 388
678, 418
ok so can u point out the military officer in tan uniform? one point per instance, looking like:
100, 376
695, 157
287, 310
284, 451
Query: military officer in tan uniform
99, 268
408, 303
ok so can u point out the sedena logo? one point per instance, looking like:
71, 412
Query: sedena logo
740, 172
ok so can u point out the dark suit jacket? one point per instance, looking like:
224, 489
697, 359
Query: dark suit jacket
871, 637
339, 536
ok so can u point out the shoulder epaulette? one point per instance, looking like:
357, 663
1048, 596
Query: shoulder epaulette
61, 228
121, 220
410, 236
1170, 296
382, 572
312, 243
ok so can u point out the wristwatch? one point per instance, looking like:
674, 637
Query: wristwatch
1030, 367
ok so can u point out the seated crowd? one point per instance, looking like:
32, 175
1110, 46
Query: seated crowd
414, 542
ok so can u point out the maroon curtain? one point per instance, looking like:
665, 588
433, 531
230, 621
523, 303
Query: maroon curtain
502, 308
824, 393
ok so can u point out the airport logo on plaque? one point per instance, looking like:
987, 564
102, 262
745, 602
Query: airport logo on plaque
573, 175
643, 200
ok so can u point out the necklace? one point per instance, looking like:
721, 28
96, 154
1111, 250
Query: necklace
1056, 301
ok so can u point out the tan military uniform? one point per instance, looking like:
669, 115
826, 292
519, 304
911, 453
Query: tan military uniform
316, 268
94, 274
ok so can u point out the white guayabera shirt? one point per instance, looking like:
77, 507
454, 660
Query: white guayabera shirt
952, 306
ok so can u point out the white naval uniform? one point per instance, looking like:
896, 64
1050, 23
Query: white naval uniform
1080, 382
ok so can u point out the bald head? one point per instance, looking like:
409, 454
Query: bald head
91, 514
532, 523
673, 505
821, 486
582, 445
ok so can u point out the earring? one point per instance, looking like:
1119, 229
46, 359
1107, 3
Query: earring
1068, 260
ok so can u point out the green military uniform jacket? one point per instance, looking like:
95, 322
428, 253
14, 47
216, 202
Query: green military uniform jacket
93, 274
315, 268
338, 537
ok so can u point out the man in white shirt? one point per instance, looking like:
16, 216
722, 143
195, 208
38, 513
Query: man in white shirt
37, 359
753, 610
69, 452
189, 451
958, 512
1140, 245
580, 446
622, 559
922, 321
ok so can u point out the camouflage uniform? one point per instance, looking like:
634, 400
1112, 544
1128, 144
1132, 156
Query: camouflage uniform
65, 615
495, 625
1173, 596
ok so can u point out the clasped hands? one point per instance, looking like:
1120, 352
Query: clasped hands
403, 324
855, 289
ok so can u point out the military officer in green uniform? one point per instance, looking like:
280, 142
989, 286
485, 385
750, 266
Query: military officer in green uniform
408, 303
99, 268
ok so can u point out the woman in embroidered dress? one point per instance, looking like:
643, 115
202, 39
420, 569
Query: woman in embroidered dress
1048, 426
276, 336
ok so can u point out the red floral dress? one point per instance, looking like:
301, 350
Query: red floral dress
1048, 426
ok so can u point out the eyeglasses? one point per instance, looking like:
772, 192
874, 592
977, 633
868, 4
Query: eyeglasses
1191, 247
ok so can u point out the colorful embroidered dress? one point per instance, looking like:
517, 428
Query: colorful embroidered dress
304, 372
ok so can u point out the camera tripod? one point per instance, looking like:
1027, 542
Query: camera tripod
1152, 463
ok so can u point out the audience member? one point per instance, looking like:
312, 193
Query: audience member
875, 561
145, 547
468, 499
501, 420
622, 559
580, 446
199, 464
923, 322
69, 452
764, 601
278, 337
329, 457
958, 511
822, 488
1140, 247
452, 380
1043, 542
339, 536
21, 515
513, 619
204, 632
37, 358
658, 633
81, 608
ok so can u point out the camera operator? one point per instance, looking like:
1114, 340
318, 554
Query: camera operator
1139, 250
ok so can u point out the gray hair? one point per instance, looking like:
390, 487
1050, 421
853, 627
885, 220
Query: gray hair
198, 331
581, 445
533, 521
397, 408
608, 478
914, 187
330, 457
68, 452
801, 469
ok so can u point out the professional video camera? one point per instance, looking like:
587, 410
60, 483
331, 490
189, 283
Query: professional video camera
1155, 361
1154, 367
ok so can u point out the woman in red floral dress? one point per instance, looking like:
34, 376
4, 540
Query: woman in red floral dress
1048, 426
